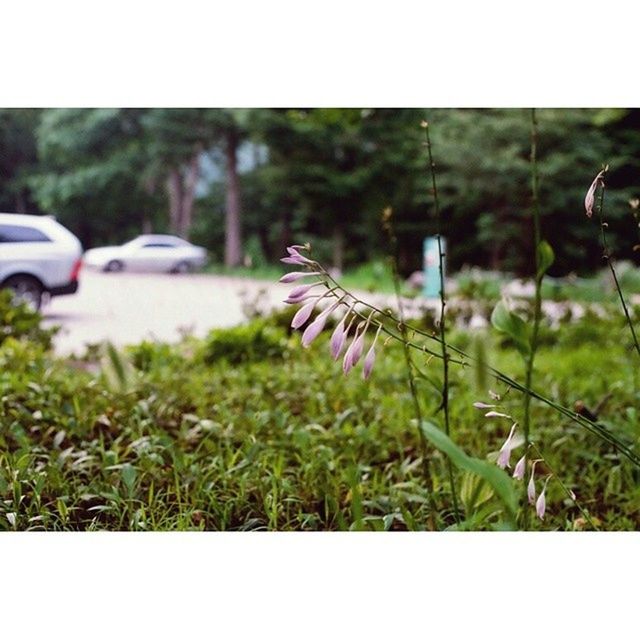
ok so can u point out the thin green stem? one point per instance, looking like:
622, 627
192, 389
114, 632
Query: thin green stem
443, 302
387, 222
537, 308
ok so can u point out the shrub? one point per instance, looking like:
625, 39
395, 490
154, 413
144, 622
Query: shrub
18, 321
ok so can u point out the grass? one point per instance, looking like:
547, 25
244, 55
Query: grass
247, 431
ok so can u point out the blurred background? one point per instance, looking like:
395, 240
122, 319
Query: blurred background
244, 183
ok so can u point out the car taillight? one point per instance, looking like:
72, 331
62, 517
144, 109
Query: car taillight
76, 269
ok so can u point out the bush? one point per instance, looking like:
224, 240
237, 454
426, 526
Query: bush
18, 321
253, 342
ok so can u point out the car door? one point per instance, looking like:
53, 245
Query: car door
156, 256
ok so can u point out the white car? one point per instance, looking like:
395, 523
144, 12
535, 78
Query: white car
148, 253
38, 256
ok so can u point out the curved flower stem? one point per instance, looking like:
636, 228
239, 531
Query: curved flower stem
607, 257
443, 302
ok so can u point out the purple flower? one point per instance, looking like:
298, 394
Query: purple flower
293, 260
303, 314
340, 333
483, 405
541, 502
301, 290
296, 275
313, 330
370, 358
518, 472
347, 361
507, 447
316, 327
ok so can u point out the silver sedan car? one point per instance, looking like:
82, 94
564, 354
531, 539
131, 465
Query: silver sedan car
159, 253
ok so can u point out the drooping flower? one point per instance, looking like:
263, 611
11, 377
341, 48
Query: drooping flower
483, 405
339, 335
590, 198
507, 447
295, 257
316, 327
370, 358
300, 291
541, 502
292, 276
496, 414
518, 472
531, 487
303, 314
347, 361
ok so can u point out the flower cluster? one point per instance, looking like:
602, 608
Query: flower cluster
504, 458
341, 340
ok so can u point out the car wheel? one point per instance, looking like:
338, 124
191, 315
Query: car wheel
114, 266
25, 289
182, 267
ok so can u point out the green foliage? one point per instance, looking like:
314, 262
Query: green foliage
511, 324
247, 343
545, 257
289, 443
497, 479
20, 322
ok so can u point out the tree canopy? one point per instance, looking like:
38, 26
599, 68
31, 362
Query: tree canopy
247, 182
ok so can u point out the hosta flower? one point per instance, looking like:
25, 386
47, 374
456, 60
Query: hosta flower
531, 487
295, 257
303, 314
483, 405
370, 358
347, 361
518, 472
496, 414
292, 276
316, 327
541, 502
340, 333
590, 198
507, 447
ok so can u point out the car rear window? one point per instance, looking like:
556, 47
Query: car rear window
18, 233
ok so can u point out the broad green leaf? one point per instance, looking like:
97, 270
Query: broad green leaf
128, 474
545, 257
514, 326
499, 481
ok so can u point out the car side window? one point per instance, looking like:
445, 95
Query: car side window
164, 245
18, 233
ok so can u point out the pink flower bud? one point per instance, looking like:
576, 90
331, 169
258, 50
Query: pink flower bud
518, 472
541, 502
338, 339
293, 260
303, 314
369, 361
296, 275
347, 361
301, 290
313, 330
496, 414
590, 198
505, 450
482, 405
531, 487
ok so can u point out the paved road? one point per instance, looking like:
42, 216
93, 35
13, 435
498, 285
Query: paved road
126, 308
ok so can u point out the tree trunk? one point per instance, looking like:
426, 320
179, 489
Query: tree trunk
233, 237
189, 193
174, 189
21, 204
